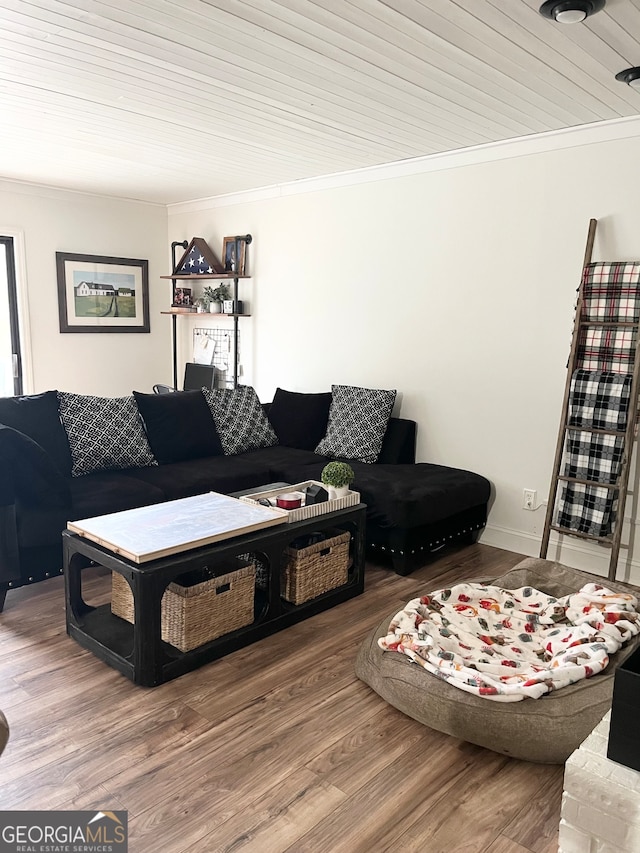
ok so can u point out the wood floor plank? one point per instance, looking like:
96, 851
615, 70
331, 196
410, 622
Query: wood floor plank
536, 824
295, 682
269, 824
277, 747
46, 651
57, 779
302, 803
473, 811
244, 749
95, 798
368, 750
34, 739
502, 844
11, 694
393, 799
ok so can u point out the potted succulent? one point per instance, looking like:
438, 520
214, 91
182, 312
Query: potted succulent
336, 477
215, 296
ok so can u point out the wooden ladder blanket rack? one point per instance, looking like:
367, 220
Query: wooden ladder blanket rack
598, 424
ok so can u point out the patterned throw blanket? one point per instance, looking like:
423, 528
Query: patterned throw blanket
599, 397
508, 645
597, 400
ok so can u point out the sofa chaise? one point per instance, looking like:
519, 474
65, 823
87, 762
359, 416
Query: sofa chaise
69, 456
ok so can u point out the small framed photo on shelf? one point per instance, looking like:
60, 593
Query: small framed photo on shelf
182, 298
232, 263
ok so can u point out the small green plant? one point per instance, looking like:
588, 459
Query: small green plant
216, 294
337, 474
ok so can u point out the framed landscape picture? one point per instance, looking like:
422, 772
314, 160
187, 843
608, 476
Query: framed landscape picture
100, 294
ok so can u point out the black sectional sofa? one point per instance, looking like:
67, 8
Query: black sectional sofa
48, 441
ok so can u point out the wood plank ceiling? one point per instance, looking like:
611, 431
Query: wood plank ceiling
172, 100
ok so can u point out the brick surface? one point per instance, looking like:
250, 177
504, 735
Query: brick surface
572, 840
607, 847
570, 809
601, 800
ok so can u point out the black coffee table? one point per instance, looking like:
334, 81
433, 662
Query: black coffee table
138, 651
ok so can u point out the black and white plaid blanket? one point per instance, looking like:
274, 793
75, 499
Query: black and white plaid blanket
587, 509
611, 291
599, 399
593, 456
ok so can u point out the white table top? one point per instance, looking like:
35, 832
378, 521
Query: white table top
150, 532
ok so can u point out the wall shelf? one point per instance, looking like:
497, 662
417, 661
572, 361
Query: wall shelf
194, 276
203, 314
205, 257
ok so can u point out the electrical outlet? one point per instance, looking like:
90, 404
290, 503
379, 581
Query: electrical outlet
529, 499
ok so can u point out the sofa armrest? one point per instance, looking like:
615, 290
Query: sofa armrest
399, 443
29, 475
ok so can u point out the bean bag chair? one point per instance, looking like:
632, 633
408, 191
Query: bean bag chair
545, 730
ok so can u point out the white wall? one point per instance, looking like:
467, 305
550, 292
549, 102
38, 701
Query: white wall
457, 287
47, 221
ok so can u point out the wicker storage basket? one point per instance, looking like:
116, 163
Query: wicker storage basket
194, 615
308, 572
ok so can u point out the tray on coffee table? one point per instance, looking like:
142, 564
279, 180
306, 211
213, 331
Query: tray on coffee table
311, 511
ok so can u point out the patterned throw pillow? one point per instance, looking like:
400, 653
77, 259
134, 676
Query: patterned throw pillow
358, 420
104, 433
240, 419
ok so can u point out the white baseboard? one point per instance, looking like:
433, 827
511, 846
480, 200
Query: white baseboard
572, 552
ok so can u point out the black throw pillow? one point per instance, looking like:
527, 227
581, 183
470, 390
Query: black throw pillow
37, 416
299, 420
179, 426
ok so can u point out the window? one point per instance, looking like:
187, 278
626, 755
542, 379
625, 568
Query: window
10, 353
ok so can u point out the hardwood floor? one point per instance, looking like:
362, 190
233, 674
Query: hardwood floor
277, 748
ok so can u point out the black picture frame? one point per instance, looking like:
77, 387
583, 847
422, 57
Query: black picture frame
102, 294
231, 263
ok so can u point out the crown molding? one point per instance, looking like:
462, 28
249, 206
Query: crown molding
60, 193
523, 146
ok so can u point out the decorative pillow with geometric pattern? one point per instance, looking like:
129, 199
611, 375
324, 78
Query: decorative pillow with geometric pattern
105, 433
358, 420
240, 419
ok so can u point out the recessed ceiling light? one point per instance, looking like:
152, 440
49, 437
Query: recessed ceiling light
570, 11
630, 76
